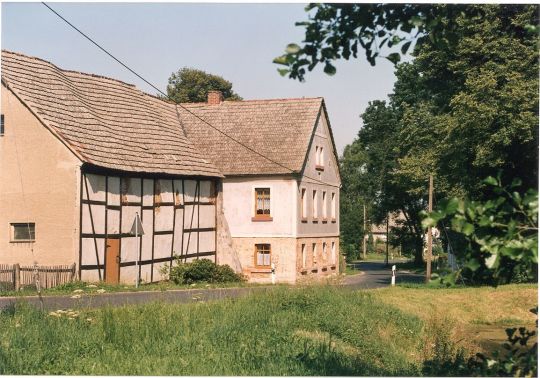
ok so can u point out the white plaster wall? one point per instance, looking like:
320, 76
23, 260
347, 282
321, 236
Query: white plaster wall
327, 180
239, 206
34, 162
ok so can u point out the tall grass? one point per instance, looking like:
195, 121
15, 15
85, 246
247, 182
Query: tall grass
304, 331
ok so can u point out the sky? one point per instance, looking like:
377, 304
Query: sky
235, 41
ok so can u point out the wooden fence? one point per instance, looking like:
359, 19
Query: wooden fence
15, 277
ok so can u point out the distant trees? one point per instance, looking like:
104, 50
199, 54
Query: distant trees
192, 85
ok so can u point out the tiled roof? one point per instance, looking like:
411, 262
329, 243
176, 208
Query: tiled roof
278, 129
106, 122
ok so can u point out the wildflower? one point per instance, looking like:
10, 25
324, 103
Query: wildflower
76, 296
92, 286
101, 291
89, 320
17, 325
78, 291
193, 284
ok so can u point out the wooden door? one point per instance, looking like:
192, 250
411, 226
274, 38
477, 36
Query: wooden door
112, 261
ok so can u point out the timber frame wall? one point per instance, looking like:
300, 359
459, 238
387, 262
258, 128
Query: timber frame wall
178, 216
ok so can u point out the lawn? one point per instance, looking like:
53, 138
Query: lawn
283, 331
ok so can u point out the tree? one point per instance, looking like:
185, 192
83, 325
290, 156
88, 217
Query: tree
192, 85
338, 31
461, 112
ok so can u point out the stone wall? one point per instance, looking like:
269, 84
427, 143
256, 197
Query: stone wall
319, 264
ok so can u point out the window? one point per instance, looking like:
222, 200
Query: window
315, 206
334, 252
314, 251
324, 206
333, 209
262, 203
23, 232
125, 184
262, 255
304, 205
304, 255
324, 251
319, 158
1, 124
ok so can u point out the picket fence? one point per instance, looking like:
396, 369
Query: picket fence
16, 277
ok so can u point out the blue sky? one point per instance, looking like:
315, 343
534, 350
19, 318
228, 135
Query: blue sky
236, 41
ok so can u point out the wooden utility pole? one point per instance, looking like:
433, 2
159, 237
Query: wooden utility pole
365, 235
429, 239
386, 260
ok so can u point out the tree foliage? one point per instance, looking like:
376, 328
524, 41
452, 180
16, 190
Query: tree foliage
341, 31
501, 233
192, 85
462, 111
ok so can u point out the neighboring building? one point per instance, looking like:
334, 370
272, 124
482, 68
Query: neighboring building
80, 155
281, 186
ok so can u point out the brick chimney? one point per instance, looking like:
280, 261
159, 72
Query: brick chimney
214, 97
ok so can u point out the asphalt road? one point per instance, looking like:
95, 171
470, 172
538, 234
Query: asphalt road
374, 275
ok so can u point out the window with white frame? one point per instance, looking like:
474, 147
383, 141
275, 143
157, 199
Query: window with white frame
314, 251
334, 252
304, 256
324, 206
23, 232
333, 209
304, 204
324, 251
315, 206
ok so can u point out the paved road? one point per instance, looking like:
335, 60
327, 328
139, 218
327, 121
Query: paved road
374, 275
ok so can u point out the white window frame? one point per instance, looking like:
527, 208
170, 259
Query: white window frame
324, 206
315, 212
333, 209
304, 256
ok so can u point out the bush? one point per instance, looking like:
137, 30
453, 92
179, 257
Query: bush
202, 270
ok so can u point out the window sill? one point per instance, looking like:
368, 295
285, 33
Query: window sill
22, 241
324, 269
333, 221
315, 220
333, 267
319, 168
303, 220
261, 269
261, 219
325, 220
314, 270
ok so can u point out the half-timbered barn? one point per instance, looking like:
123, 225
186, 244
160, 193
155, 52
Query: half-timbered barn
80, 157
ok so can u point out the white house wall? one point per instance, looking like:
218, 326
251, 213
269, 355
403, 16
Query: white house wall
178, 218
325, 180
239, 206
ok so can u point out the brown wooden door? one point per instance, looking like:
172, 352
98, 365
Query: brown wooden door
112, 261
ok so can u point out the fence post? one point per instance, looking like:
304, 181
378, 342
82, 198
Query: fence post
72, 278
17, 276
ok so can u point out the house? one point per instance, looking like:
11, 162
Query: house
80, 156
281, 185
95, 172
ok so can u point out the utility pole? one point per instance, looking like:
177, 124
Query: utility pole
386, 259
429, 239
365, 235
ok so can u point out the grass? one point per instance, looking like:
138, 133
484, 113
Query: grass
92, 288
300, 331
478, 315
315, 330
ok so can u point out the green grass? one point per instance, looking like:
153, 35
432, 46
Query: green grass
92, 288
298, 331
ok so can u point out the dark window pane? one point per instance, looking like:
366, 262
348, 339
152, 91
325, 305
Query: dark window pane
24, 231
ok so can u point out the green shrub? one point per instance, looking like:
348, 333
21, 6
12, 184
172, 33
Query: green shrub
202, 270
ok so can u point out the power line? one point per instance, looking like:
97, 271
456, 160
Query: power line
176, 104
